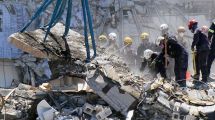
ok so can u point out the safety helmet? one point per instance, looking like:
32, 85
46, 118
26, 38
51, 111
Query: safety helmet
181, 29
164, 27
112, 36
128, 41
102, 38
147, 54
158, 41
144, 36
191, 23
204, 29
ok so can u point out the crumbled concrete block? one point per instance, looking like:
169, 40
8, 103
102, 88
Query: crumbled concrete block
88, 109
103, 114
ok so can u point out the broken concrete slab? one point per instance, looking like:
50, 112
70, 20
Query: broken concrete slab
45, 111
113, 95
32, 42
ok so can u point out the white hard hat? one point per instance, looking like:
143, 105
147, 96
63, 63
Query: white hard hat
112, 36
164, 27
147, 54
158, 41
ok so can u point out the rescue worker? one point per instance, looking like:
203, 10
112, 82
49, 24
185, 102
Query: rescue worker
128, 43
211, 38
144, 43
180, 37
155, 62
201, 43
111, 44
204, 30
141, 48
174, 50
128, 52
164, 28
102, 40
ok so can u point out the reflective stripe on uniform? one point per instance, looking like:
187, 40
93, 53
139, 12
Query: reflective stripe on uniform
210, 30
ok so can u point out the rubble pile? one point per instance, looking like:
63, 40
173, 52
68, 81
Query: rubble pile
178, 103
111, 65
30, 65
20, 102
75, 106
119, 90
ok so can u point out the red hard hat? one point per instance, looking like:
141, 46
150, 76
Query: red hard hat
191, 23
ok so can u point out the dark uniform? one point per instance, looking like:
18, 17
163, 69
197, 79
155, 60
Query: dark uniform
201, 42
140, 51
176, 51
211, 37
159, 64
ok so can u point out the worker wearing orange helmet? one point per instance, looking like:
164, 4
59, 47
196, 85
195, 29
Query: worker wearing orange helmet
201, 43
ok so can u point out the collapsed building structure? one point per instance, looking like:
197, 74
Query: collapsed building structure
116, 90
111, 89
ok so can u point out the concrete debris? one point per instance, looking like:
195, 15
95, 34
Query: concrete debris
20, 104
45, 111
35, 71
85, 111
88, 109
112, 94
118, 93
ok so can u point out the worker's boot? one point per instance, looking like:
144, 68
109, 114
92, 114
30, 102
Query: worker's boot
196, 76
205, 79
182, 83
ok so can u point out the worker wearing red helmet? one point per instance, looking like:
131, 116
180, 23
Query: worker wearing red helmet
201, 43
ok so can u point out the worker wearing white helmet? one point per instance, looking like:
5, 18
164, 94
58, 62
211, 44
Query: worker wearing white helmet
111, 44
164, 29
173, 49
155, 63
112, 36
